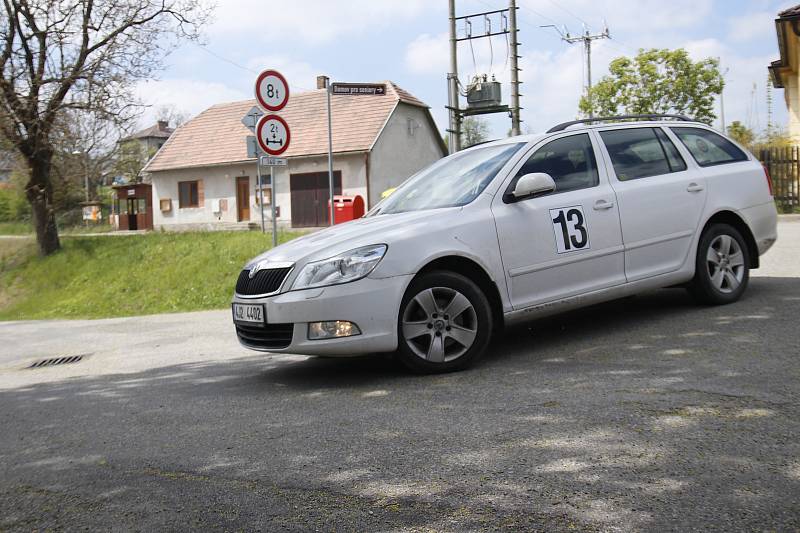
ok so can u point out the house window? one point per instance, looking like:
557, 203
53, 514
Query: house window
188, 194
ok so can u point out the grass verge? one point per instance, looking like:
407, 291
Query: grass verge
99, 277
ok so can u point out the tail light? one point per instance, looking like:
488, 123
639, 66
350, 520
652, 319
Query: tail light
769, 179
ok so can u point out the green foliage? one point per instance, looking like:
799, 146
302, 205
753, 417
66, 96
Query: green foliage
657, 81
13, 205
473, 131
741, 133
95, 277
132, 157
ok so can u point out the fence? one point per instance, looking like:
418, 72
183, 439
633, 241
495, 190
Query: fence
783, 163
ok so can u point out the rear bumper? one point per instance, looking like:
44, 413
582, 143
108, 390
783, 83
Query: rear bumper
372, 304
763, 222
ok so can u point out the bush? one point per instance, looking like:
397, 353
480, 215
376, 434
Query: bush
13, 206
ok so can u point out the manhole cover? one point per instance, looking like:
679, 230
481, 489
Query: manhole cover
53, 361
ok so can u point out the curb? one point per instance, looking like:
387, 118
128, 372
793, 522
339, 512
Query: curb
789, 218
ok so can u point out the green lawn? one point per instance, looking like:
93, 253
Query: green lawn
96, 277
15, 228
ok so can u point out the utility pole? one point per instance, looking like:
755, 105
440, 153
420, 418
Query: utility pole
483, 96
587, 39
512, 22
454, 144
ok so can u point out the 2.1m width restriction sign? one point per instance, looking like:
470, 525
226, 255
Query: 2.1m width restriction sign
272, 90
273, 135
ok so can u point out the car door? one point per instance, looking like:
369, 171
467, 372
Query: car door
566, 242
660, 198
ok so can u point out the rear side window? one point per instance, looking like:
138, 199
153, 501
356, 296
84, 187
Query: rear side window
641, 153
569, 160
709, 148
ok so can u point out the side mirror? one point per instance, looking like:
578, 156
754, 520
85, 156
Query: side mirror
531, 185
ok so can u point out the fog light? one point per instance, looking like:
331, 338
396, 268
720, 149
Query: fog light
331, 330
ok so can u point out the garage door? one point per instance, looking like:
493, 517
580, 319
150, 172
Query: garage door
310, 198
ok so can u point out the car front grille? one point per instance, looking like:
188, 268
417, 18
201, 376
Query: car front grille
265, 281
269, 336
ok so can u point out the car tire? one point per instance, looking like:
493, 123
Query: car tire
722, 267
445, 323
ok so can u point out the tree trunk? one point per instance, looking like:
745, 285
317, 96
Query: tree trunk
39, 191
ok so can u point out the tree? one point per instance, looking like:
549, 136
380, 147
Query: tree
657, 81
741, 133
61, 57
473, 131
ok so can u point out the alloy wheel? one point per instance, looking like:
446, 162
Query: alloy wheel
725, 262
439, 324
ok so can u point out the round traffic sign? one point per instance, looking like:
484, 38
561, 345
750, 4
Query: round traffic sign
272, 133
272, 90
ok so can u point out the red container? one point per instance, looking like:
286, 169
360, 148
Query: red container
347, 208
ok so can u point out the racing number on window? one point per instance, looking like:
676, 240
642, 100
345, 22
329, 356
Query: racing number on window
569, 226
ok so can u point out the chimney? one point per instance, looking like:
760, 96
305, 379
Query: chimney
322, 82
163, 125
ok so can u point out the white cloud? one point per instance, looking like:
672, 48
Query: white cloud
301, 76
187, 96
311, 21
624, 15
751, 26
428, 54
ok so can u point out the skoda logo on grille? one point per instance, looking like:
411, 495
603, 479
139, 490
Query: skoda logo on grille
256, 268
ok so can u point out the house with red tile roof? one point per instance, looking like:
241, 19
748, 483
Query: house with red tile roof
203, 177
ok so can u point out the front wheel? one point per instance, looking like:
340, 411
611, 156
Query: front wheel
722, 270
445, 323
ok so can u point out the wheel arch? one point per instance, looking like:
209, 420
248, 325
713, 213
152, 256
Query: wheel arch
476, 273
733, 219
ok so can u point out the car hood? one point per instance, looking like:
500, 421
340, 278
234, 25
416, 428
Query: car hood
381, 229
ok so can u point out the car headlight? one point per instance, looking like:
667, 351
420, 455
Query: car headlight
345, 267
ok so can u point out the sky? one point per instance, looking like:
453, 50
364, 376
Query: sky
406, 41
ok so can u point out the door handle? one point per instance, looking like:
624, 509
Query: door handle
694, 187
603, 204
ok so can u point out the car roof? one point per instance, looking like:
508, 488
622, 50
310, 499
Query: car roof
535, 137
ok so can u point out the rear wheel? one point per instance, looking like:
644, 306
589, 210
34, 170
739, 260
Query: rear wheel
445, 323
722, 270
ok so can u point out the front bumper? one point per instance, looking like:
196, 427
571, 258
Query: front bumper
372, 304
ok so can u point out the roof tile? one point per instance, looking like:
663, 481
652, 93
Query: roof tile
217, 136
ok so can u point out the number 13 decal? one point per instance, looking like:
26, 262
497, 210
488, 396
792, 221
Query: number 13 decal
569, 226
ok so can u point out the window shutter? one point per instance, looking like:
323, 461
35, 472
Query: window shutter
201, 196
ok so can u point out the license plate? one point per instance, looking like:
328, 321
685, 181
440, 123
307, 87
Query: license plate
249, 313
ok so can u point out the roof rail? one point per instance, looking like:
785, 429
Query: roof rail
648, 116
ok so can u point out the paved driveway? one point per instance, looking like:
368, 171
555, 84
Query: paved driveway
646, 414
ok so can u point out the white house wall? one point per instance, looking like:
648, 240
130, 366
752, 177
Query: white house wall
397, 153
220, 183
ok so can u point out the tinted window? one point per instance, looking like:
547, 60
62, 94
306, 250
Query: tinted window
570, 162
709, 148
676, 162
640, 153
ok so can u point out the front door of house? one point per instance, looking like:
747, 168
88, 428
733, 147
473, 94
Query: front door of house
242, 198
310, 195
132, 212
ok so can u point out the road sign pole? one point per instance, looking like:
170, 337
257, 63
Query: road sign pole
260, 194
330, 149
272, 206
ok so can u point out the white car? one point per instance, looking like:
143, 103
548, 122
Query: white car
516, 229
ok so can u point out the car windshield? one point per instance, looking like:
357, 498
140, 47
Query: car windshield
450, 182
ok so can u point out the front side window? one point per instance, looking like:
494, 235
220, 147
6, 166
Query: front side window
709, 148
188, 195
641, 153
569, 161
450, 182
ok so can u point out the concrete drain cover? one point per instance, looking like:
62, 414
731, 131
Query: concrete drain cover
53, 361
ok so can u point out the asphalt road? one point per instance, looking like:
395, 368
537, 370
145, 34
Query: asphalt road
650, 413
